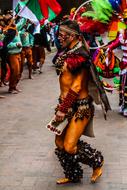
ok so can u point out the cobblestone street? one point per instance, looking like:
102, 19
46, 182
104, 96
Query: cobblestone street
27, 159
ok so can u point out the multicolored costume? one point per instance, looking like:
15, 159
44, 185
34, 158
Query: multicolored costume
121, 40
107, 65
111, 13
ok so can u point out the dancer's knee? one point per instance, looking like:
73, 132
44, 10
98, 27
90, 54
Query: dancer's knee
70, 148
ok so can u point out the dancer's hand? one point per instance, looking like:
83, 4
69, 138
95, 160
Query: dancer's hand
59, 116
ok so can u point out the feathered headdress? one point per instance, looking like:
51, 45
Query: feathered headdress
101, 14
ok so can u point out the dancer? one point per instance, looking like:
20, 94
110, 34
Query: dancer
75, 104
121, 40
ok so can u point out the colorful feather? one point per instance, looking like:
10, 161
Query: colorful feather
102, 11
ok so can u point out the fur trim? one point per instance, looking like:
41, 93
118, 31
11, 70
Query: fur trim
75, 61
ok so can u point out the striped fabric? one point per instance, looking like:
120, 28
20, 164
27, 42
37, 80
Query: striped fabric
123, 47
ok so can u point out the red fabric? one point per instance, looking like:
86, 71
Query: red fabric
74, 61
42, 21
91, 26
114, 44
68, 101
52, 4
123, 65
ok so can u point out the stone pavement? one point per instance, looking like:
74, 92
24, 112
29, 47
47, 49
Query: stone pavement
27, 160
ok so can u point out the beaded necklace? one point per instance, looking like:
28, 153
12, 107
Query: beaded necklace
59, 63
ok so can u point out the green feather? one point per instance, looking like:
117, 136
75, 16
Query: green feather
102, 11
89, 14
